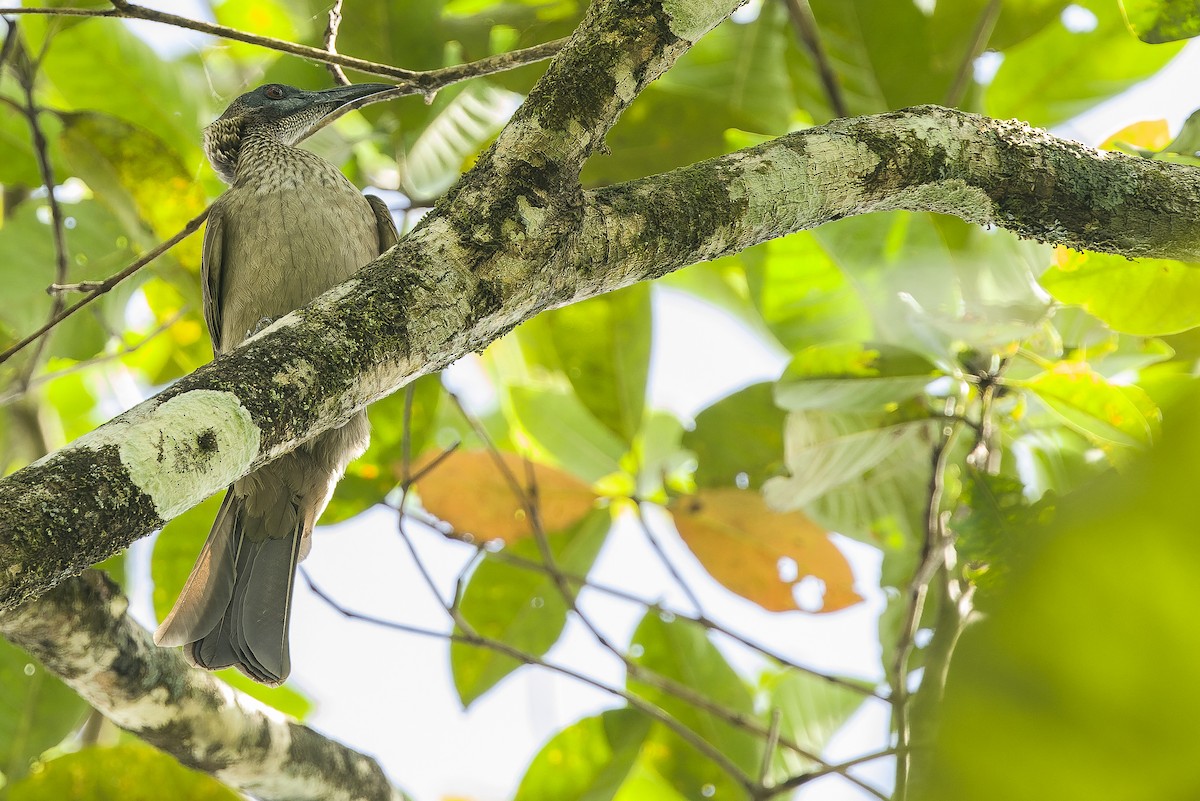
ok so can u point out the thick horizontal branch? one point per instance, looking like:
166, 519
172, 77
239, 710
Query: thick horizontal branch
481, 265
112, 662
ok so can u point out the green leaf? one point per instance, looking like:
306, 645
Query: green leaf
131, 772
826, 450
99, 66
1059, 73
264, 18
1149, 297
997, 528
866, 477
372, 476
1157, 21
811, 710
602, 347
853, 376
97, 247
37, 711
734, 77
1106, 601
587, 761
802, 295
741, 434
1085, 401
465, 121
137, 177
562, 431
518, 606
681, 651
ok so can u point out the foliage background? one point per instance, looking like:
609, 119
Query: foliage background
875, 344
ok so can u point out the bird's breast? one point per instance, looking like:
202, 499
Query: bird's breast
286, 244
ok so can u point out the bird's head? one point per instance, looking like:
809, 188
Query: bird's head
282, 112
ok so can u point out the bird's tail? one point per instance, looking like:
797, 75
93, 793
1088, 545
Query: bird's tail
235, 606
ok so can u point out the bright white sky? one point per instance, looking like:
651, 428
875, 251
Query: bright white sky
389, 694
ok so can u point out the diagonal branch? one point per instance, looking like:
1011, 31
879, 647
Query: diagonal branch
113, 663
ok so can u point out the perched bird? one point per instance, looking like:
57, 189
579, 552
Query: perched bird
290, 227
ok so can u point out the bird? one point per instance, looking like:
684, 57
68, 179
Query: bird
289, 227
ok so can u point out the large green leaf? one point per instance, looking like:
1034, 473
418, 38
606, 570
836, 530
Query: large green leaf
587, 761
1158, 21
100, 65
811, 710
602, 347
131, 772
681, 651
97, 247
1149, 297
802, 295
1119, 415
1080, 673
852, 376
1060, 73
734, 77
520, 607
739, 435
37, 711
562, 431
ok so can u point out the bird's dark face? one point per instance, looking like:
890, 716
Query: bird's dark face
282, 112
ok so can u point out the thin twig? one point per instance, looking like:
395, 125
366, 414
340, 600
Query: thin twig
107, 284
840, 769
642, 705
421, 81
46, 378
979, 42
810, 36
688, 695
331, 33
700, 620
662, 557
41, 149
933, 558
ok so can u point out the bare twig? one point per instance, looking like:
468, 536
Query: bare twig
331, 32
41, 149
810, 35
935, 552
839, 769
425, 82
662, 557
634, 701
528, 500
979, 41
46, 378
107, 284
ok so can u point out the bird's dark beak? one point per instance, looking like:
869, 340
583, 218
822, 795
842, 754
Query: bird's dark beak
338, 96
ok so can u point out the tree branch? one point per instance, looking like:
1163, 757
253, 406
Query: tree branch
112, 662
494, 254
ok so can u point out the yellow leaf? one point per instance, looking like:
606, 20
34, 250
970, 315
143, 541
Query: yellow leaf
1150, 135
469, 491
740, 541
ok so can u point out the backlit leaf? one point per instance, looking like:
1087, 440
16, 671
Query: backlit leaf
132, 772
1091, 405
587, 761
469, 491
37, 710
519, 606
742, 543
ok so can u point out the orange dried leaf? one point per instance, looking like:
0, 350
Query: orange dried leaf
740, 541
469, 491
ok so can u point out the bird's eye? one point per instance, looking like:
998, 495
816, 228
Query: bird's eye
274, 92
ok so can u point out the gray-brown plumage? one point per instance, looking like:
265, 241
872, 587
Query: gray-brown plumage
290, 227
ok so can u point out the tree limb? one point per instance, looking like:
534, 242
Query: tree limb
498, 252
112, 662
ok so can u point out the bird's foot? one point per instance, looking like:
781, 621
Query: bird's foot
263, 322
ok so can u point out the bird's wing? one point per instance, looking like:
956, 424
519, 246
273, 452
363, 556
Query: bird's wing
211, 259
385, 226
